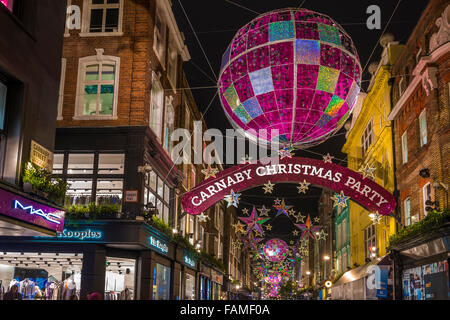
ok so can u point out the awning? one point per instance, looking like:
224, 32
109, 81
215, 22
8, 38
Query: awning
362, 271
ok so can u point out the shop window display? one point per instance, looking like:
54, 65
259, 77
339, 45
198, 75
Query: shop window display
161, 282
190, 287
41, 276
425, 283
157, 194
119, 279
79, 192
109, 191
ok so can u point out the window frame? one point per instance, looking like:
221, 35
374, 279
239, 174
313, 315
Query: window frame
159, 16
154, 191
423, 131
365, 137
405, 147
407, 211
370, 241
101, 60
61, 89
156, 82
86, 20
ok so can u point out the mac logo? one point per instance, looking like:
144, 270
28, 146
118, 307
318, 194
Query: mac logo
47, 216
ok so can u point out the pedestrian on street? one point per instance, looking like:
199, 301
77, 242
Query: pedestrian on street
13, 294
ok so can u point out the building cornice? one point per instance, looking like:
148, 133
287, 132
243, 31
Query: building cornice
423, 73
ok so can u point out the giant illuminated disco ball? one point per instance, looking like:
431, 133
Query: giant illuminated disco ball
276, 250
293, 70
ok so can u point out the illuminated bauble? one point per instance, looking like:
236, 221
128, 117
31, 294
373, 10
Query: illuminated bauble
293, 70
276, 250
273, 278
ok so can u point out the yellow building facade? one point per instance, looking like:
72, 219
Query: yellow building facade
369, 142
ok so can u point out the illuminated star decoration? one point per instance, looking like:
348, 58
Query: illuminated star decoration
210, 172
308, 229
202, 217
254, 222
245, 211
322, 235
367, 171
340, 200
251, 242
327, 158
295, 232
268, 227
264, 212
292, 212
282, 209
375, 217
238, 227
236, 244
286, 152
316, 220
300, 218
246, 159
232, 199
303, 186
268, 187
277, 201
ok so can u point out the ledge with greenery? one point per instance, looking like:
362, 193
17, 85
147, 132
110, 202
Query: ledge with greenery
428, 226
52, 189
92, 212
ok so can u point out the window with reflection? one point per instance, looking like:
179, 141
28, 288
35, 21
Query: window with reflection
157, 194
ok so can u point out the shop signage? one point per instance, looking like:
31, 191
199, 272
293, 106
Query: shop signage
158, 245
41, 156
131, 196
290, 170
382, 288
188, 260
87, 234
26, 210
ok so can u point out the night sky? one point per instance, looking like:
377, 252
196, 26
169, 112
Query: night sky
217, 21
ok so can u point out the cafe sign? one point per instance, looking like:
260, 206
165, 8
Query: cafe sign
290, 170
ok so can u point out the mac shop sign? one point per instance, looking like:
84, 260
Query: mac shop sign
158, 245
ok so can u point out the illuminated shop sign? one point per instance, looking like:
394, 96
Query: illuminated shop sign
80, 235
20, 208
31, 210
188, 260
158, 245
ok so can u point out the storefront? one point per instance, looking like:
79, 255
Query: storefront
188, 276
210, 283
422, 268
123, 260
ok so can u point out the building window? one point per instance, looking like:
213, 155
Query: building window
159, 41
407, 205
405, 147
426, 191
157, 107
344, 231
102, 17
169, 122
8, 4
370, 237
92, 177
161, 282
158, 194
423, 128
172, 65
61, 88
367, 138
98, 84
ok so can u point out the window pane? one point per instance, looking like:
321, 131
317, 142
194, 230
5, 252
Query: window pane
145, 196
106, 99
92, 72
153, 181
159, 206
90, 100
108, 71
151, 199
112, 20
111, 163
109, 191
160, 187
58, 161
96, 20
79, 192
166, 214
112, 1
166, 194
80, 163
3, 91
98, 1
